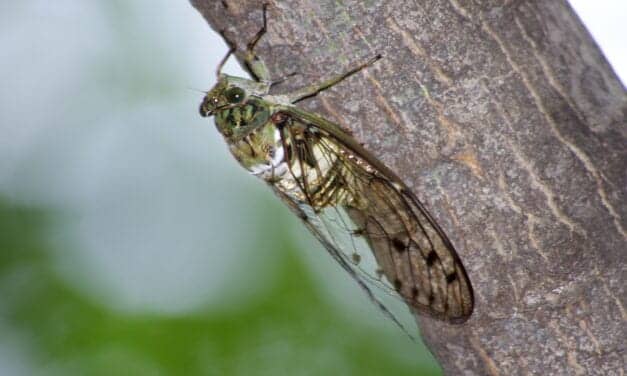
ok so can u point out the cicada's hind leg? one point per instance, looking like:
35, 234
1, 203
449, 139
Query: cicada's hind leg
313, 90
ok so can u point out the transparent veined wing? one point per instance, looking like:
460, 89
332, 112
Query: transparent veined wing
359, 209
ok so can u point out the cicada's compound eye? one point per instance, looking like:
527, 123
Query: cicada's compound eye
235, 95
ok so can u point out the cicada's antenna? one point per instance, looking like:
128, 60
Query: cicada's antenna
232, 49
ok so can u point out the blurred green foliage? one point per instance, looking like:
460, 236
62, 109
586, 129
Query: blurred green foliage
290, 331
117, 148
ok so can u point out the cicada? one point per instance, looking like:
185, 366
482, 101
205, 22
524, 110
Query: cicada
340, 191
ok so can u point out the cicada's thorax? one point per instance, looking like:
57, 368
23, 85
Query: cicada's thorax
284, 153
251, 136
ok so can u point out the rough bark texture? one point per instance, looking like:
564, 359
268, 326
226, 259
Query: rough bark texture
510, 126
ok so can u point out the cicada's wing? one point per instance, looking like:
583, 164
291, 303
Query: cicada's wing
359, 209
317, 224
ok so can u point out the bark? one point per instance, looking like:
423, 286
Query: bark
509, 124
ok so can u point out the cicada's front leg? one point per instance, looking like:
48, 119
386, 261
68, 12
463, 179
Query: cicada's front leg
255, 66
252, 63
313, 90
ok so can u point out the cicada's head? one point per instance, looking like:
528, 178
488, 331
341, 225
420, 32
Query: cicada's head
237, 105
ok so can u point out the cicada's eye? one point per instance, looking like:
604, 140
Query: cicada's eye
234, 95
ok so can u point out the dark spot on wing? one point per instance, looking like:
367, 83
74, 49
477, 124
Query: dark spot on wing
414, 293
431, 257
451, 277
399, 245
398, 284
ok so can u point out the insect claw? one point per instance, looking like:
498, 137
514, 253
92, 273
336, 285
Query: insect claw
283, 79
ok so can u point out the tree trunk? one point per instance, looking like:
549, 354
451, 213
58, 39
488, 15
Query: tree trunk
509, 124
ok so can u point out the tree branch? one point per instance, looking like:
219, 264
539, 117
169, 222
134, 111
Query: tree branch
509, 125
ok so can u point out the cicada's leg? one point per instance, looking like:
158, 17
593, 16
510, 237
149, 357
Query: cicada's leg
232, 49
278, 81
253, 64
255, 67
313, 90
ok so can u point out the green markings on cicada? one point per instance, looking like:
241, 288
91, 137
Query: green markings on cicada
362, 213
239, 120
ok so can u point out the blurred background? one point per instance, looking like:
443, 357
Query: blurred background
130, 240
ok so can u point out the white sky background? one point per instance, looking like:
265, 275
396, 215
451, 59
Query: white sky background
51, 153
607, 22
128, 169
